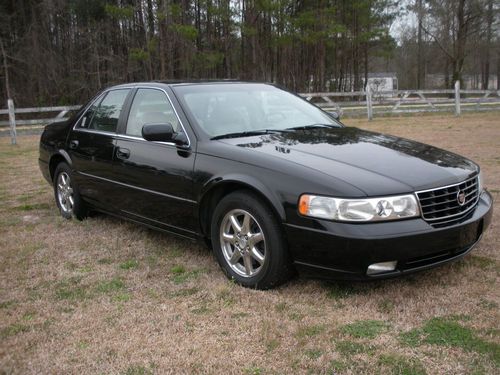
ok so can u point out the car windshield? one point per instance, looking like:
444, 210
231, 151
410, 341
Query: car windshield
229, 109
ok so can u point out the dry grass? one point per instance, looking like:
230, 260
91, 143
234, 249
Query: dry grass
107, 296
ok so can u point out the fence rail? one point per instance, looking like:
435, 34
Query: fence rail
406, 101
61, 113
354, 103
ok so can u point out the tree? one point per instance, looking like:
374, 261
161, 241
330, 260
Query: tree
465, 22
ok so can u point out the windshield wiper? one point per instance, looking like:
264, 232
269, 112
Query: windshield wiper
313, 126
247, 133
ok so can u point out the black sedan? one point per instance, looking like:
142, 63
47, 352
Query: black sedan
270, 181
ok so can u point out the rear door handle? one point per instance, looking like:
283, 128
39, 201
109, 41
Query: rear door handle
73, 144
122, 153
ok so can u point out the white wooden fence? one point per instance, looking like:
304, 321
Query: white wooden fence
59, 112
369, 103
406, 101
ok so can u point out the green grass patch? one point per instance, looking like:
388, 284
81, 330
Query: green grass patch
365, 328
184, 292
313, 353
28, 316
129, 264
399, 365
310, 331
296, 316
446, 331
10, 221
338, 291
72, 290
281, 307
138, 370
32, 207
348, 348
226, 297
25, 198
104, 261
82, 345
122, 297
411, 338
174, 252
85, 269
385, 306
487, 304
337, 366
201, 310
13, 329
180, 278
110, 286
253, 370
178, 269
481, 262
7, 304
240, 315
272, 344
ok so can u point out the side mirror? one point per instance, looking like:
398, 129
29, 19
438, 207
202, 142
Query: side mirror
158, 132
334, 115
164, 133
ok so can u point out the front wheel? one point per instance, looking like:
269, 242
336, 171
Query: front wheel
248, 242
66, 193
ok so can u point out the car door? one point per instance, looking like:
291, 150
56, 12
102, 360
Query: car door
91, 145
156, 178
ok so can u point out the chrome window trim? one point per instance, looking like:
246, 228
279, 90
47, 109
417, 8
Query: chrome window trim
95, 132
126, 136
448, 186
135, 138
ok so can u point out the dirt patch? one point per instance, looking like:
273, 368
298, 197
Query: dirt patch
107, 296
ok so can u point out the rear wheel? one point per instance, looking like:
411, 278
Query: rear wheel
248, 242
66, 193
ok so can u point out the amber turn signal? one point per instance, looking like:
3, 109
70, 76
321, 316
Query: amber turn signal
304, 204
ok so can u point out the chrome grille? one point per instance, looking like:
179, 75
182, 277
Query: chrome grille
441, 204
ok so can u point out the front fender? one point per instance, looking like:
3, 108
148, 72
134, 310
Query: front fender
252, 183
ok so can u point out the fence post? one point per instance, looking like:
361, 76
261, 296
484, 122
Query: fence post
369, 108
457, 98
12, 121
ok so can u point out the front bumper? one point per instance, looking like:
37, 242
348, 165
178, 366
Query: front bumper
344, 251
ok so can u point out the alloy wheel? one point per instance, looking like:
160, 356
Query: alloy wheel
65, 192
243, 243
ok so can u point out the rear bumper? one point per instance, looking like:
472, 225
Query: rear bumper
344, 251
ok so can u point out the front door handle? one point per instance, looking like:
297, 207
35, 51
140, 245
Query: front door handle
73, 144
122, 153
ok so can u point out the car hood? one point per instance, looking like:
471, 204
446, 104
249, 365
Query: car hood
375, 163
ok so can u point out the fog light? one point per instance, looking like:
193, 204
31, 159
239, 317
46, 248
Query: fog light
381, 267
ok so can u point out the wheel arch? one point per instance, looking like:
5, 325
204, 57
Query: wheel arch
220, 187
56, 159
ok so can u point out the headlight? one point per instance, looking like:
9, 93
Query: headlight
359, 210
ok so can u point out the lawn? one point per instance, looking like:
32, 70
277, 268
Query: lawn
108, 296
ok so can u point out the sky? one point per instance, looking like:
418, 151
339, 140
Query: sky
408, 19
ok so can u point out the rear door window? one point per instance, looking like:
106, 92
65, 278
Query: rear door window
103, 115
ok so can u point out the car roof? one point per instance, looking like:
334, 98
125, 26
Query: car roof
188, 82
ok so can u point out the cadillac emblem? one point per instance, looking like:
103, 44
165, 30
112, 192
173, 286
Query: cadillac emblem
461, 197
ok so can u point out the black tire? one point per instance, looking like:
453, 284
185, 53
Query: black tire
276, 267
78, 208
